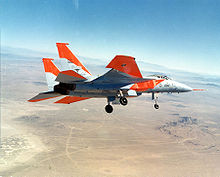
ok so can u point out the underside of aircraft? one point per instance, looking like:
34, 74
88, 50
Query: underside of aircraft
123, 80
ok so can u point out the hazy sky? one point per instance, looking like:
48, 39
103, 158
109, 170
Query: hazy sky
181, 34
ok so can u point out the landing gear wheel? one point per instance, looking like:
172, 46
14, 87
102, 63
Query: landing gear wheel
108, 108
156, 106
123, 101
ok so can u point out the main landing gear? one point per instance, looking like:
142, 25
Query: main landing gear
155, 98
115, 100
108, 108
123, 101
122, 98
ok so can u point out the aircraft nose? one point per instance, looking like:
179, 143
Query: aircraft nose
182, 87
186, 88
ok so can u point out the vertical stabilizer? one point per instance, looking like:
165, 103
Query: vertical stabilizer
70, 61
51, 72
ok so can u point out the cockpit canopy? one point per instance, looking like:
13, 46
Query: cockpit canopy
161, 76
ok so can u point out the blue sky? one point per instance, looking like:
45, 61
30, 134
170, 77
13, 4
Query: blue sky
180, 34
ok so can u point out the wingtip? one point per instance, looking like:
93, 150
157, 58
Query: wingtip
62, 43
33, 100
47, 59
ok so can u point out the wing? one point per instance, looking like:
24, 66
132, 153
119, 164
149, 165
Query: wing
124, 71
117, 77
70, 99
125, 64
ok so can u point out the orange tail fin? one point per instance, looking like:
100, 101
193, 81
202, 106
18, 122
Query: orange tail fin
50, 67
64, 52
51, 72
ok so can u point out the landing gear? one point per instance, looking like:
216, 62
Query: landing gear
123, 101
155, 98
122, 98
118, 99
156, 106
108, 108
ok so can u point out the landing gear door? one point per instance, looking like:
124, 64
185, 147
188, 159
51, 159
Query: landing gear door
132, 93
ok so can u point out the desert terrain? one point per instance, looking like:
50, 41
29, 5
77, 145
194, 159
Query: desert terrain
182, 138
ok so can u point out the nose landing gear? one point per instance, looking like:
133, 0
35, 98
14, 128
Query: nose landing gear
155, 98
156, 106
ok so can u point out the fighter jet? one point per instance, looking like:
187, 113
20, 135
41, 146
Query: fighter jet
124, 79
